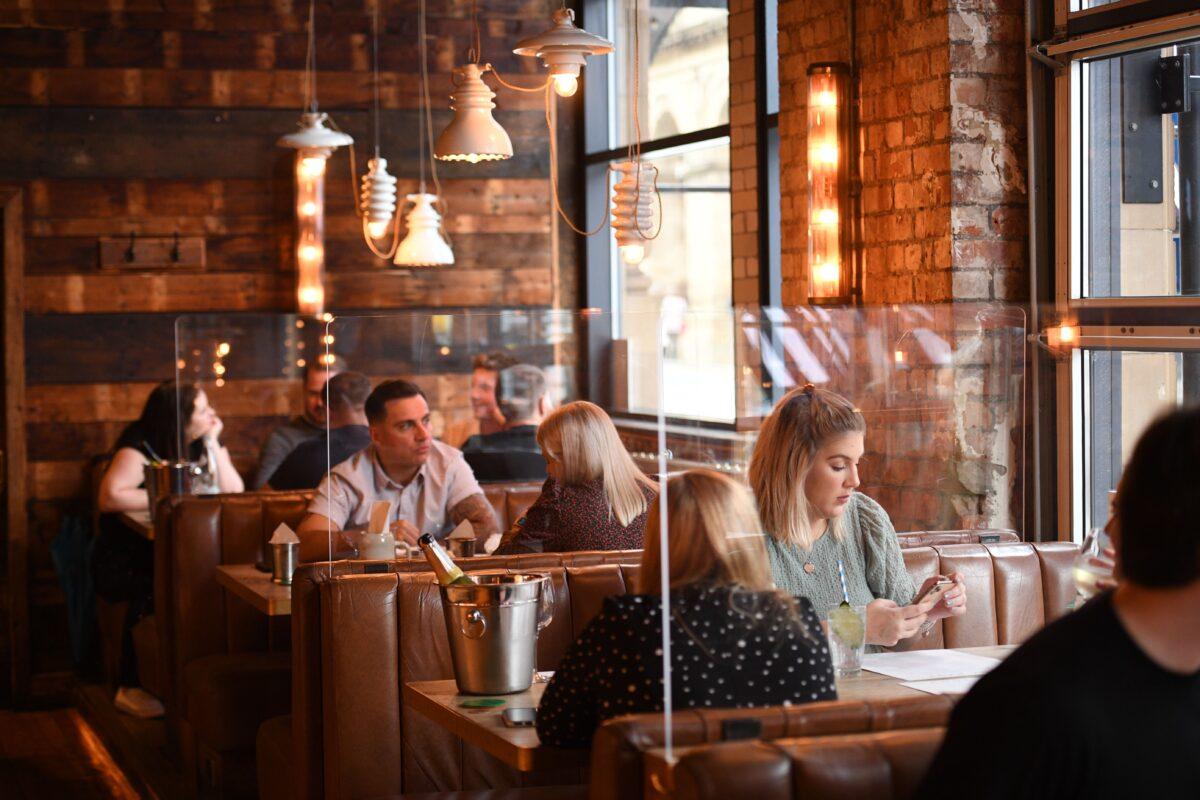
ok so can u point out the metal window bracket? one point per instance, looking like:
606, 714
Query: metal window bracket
1038, 53
1176, 84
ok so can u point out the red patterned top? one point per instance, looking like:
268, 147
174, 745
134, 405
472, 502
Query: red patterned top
573, 517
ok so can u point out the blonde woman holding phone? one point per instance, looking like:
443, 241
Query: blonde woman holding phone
736, 642
804, 473
595, 497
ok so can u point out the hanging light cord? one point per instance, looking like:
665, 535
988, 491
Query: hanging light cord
425, 110
375, 68
310, 60
635, 146
550, 123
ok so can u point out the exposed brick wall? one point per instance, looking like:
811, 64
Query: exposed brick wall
743, 156
941, 130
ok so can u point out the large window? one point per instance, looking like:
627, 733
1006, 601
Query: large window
680, 54
1129, 280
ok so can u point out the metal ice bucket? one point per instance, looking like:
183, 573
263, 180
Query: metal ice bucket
492, 628
172, 477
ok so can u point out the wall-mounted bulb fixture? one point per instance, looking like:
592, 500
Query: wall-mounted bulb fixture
564, 48
424, 245
378, 198
473, 135
313, 142
632, 208
828, 182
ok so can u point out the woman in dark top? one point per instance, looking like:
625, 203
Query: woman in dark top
595, 498
122, 561
735, 641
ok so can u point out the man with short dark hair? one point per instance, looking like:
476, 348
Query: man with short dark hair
1105, 702
513, 453
428, 483
309, 425
485, 373
348, 433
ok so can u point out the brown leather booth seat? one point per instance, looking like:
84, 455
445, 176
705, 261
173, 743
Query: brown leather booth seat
220, 666
880, 766
331, 669
617, 768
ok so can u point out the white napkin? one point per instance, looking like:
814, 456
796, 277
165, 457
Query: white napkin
463, 531
284, 535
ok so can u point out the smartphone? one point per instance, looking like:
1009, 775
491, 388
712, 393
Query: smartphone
936, 589
519, 717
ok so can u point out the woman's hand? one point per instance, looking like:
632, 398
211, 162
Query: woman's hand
213, 434
955, 598
888, 623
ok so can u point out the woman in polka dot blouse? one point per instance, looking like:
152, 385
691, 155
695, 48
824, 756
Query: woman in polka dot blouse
735, 641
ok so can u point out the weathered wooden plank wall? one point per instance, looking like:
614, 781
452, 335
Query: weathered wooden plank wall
153, 118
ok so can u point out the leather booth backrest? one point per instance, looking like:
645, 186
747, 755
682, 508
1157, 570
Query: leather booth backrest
193, 616
973, 536
617, 750
880, 766
315, 662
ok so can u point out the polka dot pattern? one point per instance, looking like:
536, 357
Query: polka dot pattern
730, 648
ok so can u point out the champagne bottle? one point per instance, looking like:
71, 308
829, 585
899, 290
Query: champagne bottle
448, 573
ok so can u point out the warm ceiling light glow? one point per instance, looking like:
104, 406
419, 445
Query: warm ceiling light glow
300, 362
378, 198
219, 382
632, 254
311, 167
327, 359
825, 99
223, 349
309, 252
824, 154
900, 356
311, 295
218, 368
327, 338
308, 208
327, 317
565, 85
827, 216
378, 229
827, 272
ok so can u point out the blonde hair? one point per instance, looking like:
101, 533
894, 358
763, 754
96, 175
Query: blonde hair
582, 438
713, 535
799, 425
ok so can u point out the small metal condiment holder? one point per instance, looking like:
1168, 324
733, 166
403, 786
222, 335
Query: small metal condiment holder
283, 562
164, 478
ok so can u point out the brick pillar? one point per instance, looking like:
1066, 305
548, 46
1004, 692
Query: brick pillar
743, 156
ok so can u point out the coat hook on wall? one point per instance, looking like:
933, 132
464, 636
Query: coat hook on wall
129, 254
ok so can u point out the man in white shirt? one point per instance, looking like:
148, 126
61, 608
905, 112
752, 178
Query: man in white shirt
430, 486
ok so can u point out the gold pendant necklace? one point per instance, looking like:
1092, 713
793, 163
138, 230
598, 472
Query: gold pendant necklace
810, 567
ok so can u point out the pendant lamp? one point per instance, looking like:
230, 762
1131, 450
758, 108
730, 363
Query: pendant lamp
633, 208
424, 245
473, 135
564, 49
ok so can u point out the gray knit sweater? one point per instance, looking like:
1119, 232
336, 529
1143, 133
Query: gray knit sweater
868, 550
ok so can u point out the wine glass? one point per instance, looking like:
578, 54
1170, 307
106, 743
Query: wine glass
1090, 566
545, 613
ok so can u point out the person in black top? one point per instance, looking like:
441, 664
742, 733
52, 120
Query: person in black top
123, 562
735, 641
1106, 701
310, 461
512, 453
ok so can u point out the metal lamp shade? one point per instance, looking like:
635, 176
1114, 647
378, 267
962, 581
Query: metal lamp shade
423, 246
473, 135
313, 134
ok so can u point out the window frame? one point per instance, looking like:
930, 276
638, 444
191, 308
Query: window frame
1110, 324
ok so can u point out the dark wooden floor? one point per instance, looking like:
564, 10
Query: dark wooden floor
45, 755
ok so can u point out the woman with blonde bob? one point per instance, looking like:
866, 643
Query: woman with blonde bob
804, 471
595, 497
736, 642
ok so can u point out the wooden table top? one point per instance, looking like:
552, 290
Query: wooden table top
440, 701
139, 522
657, 768
256, 588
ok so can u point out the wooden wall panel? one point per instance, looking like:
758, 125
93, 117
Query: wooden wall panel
122, 117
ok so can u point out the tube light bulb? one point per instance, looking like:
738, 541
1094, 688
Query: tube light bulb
309, 252
312, 295
1066, 334
828, 272
825, 99
827, 216
632, 254
312, 167
378, 229
825, 154
565, 85
308, 209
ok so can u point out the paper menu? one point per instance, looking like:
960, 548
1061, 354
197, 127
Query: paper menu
944, 686
378, 521
925, 665
284, 535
